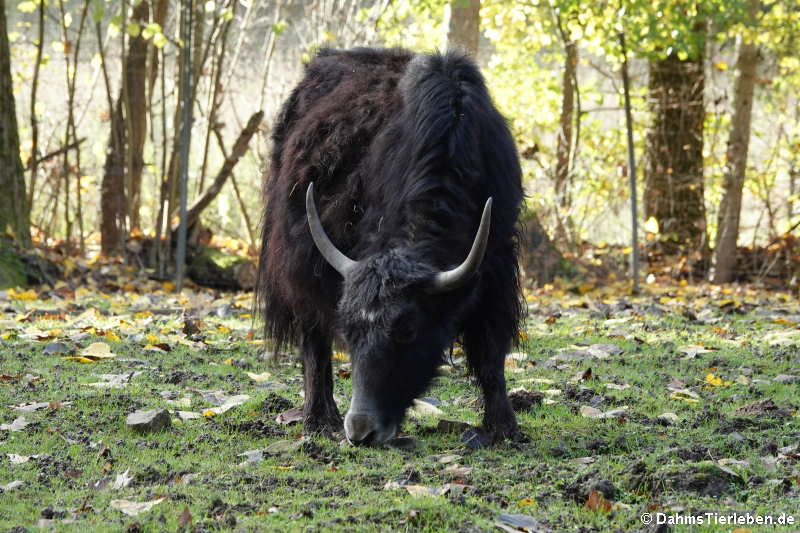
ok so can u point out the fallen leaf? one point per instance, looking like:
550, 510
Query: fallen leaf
259, 378
592, 412
122, 480
29, 407
291, 416
185, 519
20, 459
422, 408
520, 522
597, 502
282, 447
18, 424
583, 375
252, 457
134, 508
11, 485
98, 350
229, 403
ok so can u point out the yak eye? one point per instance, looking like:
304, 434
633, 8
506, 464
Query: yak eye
403, 330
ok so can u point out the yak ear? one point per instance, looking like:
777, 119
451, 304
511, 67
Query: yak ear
340, 262
457, 277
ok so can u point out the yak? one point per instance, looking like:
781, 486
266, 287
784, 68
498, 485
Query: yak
390, 223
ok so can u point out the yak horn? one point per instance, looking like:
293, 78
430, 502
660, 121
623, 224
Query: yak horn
455, 278
332, 255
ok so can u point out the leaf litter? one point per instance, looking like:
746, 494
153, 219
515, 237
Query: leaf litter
619, 347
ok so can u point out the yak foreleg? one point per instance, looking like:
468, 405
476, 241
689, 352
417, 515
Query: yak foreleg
487, 363
320, 414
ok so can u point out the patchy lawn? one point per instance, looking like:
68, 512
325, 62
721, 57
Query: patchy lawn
682, 401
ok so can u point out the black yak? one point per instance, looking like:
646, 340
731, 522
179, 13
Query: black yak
404, 152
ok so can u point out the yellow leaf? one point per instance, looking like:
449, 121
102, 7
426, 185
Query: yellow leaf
784, 322
113, 336
259, 378
79, 359
143, 314
525, 501
228, 361
25, 295
721, 65
152, 339
711, 379
98, 350
586, 287
683, 397
223, 328
168, 286
651, 225
153, 347
208, 413
340, 356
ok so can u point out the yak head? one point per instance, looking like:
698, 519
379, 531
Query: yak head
394, 324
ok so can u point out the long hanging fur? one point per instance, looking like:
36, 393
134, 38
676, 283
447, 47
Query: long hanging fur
403, 150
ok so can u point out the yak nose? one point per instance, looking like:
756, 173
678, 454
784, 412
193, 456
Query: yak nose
359, 428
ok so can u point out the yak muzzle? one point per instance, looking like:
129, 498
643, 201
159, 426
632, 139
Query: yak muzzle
365, 429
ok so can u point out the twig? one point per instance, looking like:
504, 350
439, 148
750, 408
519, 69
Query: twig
239, 148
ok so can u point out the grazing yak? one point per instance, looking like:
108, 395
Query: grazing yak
390, 223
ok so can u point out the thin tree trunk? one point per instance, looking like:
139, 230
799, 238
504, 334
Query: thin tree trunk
71, 55
564, 142
136, 111
215, 98
33, 162
112, 189
673, 169
738, 145
462, 20
13, 204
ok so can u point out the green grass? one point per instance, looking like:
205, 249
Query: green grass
328, 485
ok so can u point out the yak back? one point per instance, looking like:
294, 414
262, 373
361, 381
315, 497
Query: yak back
403, 151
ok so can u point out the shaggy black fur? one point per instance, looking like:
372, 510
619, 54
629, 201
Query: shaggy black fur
403, 151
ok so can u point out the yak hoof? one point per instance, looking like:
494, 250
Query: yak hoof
327, 426
511, 434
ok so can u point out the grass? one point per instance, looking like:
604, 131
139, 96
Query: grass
641, 464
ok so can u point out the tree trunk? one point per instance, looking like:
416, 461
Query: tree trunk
462, 20
564, 146
733, 181
539, 258
112, 190
673, 188
136, 111
14, 216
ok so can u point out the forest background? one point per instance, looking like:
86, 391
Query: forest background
92, 96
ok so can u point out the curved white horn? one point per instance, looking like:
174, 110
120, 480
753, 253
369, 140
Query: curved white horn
332, 255
452, 279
